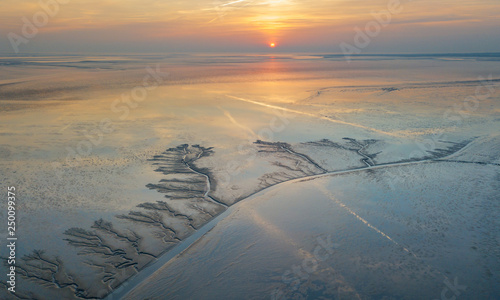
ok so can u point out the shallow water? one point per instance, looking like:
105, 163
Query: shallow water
401, 243
78, 144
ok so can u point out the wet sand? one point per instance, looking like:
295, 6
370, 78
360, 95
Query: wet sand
203, 140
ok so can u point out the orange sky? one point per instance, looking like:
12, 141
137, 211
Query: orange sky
247, 25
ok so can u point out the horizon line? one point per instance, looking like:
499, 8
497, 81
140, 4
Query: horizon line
335, 54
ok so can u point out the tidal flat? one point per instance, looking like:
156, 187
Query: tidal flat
390, 164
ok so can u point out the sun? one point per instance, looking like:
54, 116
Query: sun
272, 45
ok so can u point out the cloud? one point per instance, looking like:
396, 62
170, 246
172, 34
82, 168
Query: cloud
208, 25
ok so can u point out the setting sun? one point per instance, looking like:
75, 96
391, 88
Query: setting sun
272, 45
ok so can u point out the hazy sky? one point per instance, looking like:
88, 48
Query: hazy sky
250, 25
